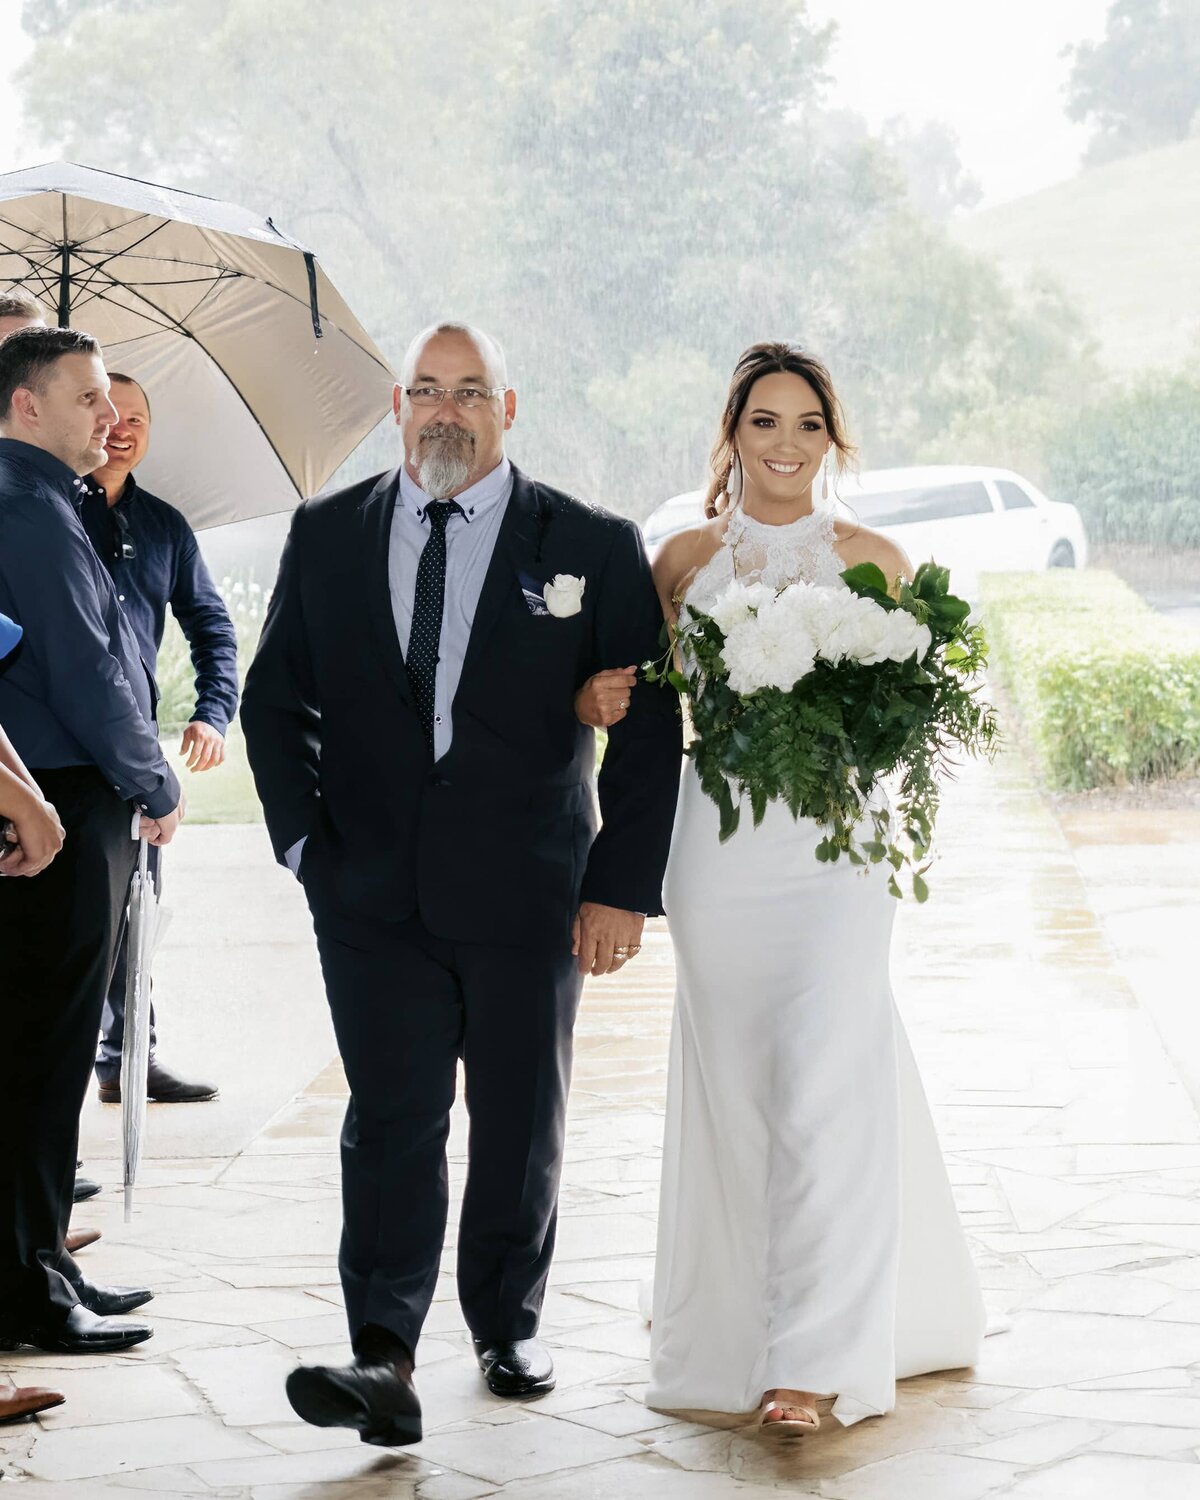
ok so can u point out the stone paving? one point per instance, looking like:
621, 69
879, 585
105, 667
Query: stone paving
1072, 1143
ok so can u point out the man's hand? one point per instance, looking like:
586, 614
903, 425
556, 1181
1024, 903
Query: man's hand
203, 745
604, 938
603, 700
162, 830
39, 838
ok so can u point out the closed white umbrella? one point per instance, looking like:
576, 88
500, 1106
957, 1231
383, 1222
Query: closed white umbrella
147, 923
261, 379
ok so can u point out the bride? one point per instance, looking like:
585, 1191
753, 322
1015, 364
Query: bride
808, 1243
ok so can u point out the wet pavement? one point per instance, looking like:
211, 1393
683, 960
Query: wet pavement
1072, 1141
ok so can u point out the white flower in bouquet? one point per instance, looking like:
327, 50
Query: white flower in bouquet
868, 633
773, 648
843, 630
736, 605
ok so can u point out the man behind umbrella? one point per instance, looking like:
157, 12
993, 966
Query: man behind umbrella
78, 706
151, 554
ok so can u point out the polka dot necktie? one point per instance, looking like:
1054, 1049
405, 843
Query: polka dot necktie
425, 633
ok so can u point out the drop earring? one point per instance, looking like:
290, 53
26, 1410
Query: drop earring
733, 485
825, 477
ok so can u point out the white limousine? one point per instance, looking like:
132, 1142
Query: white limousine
972, 520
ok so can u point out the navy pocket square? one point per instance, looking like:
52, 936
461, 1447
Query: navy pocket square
534, 593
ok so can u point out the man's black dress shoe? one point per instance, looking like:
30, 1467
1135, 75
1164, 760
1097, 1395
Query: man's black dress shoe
375, 1399
162, 1087
515, 1367
81, 1333
85, 1188
112, 1301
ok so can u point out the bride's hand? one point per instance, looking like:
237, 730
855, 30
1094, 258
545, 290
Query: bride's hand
603, 700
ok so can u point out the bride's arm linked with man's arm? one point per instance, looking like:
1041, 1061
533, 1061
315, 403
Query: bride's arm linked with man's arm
622, 881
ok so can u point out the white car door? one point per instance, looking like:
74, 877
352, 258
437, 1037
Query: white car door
1023, 540
954, 523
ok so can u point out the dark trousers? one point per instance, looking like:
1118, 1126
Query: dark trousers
58, 939
112, 1022
406, 1007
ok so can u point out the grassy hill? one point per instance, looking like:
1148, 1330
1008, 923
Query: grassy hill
1125, 241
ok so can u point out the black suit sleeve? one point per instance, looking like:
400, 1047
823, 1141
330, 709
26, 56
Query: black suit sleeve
281, 717
639, 780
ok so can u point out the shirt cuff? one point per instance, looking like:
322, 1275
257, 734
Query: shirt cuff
294, 855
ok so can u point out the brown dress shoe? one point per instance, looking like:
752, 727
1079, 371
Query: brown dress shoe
22, 1401
79, 1239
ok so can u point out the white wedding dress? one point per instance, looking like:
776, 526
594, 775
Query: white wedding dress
807, 1235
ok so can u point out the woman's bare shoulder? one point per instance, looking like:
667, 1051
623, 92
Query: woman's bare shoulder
858, 544
687, 551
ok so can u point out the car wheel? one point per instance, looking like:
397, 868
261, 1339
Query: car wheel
1062, 555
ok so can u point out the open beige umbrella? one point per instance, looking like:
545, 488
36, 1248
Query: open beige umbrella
261, 379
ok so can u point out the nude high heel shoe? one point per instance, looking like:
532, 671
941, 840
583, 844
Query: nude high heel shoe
807, 1420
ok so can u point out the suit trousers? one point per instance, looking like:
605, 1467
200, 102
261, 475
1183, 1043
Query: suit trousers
406, 1007
112, 1022
58, 940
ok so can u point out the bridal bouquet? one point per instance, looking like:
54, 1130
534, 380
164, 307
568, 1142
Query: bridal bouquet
812, 696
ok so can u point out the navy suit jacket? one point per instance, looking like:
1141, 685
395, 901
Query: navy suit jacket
76, 691
497, 841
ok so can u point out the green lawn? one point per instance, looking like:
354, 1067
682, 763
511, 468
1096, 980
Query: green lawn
225, 795
1122, 239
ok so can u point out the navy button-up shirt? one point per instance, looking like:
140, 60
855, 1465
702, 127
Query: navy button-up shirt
76, 692
166, 568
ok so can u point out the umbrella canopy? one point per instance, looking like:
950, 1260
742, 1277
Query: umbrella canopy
260, 378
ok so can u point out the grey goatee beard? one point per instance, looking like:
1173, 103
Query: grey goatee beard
445, 456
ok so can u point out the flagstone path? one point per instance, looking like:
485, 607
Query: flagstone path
1073, 1145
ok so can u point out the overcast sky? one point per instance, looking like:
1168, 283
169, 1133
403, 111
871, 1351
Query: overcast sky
993, 71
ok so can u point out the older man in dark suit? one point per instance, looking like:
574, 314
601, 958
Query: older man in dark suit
411, 725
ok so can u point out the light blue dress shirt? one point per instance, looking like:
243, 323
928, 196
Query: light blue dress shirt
470, 542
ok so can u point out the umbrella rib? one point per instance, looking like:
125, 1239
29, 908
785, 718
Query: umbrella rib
156, 316
225, 274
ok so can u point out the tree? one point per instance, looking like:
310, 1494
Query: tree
1140, 86
627, 191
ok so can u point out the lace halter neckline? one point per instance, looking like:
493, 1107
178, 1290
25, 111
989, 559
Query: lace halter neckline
802, 550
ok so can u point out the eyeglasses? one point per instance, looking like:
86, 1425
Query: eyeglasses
464, 395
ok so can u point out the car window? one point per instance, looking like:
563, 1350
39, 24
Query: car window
936, 502
1013, 496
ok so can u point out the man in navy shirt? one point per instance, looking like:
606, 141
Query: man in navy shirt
152, 556
78, 704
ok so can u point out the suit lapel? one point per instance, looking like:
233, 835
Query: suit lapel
376, 518
514, 553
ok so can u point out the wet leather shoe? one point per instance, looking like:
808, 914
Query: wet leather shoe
377, 1399
163, 1087
112, 1301
85, 1188
515, 1367
19, 1401
80, 1239
81, 1333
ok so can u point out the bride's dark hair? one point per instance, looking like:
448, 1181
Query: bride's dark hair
755, 362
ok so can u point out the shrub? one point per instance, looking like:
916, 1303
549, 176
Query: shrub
1131, 463
245, 600
1106, 692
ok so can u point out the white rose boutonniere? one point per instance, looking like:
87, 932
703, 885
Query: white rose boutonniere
564, 595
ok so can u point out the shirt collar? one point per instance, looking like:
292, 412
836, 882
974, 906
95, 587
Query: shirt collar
128, 494
475, 501
61, 475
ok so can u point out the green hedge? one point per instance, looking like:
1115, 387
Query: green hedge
1106, 689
